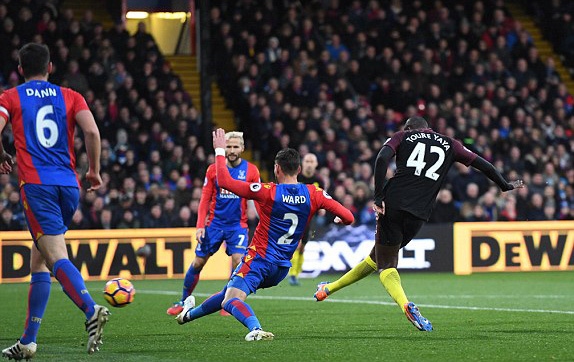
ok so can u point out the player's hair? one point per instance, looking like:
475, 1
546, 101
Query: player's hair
289, 160
235, 134
416, 122
34, 59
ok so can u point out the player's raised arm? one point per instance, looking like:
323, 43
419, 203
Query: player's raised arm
469, 158
240, 188
86, 121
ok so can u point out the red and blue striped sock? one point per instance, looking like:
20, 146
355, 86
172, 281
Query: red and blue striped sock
243, 313
37, 301
73, 285
210, 305
190, 281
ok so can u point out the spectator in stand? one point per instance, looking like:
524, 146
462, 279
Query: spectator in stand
335, 80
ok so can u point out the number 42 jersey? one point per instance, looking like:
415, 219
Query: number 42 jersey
423, 158
43, 118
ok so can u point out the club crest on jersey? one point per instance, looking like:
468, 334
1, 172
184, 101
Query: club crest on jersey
42, 93
290, 199
241, 175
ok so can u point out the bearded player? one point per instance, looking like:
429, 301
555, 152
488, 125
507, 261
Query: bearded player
285, 209
43, 118
405, 202
226, 215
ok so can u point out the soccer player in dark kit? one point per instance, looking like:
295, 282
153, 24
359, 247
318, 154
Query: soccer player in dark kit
405, 202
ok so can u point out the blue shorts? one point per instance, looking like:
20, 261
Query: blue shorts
254, 273
49, 209
236, 241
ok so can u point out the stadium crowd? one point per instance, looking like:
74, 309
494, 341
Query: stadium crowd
322, 77
336, 78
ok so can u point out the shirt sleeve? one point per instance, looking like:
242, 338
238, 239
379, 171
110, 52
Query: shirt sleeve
79, 103
395, 140
206, 194
5, 105
325, 201
463, 154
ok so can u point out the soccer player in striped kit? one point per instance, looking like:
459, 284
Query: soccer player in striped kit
285, 209
43, 118
226, 215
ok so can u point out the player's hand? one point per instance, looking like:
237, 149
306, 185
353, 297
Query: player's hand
199, 234
94, 179
322, 212
518, 184
6, 162
338, 220
380, 210
219, 138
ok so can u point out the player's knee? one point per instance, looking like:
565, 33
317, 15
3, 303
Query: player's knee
198, 263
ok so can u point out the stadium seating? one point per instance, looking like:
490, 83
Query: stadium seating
335, 81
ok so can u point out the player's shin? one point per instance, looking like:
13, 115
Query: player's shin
190, 282
392, 282
73, 285
243, 313
210, 305
294, 264
361, 270
299, 265
37, 300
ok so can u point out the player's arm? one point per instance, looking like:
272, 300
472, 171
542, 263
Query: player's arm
205, 200
469, 158
87, 123
240, 188
382, 162
6, 161
343, 214
255, 177
492, 173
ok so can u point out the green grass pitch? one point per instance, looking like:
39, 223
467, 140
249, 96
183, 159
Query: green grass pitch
489, 317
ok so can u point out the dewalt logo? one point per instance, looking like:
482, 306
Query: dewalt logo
517, 246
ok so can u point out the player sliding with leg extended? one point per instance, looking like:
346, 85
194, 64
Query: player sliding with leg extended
227, 218
405, 202
43, 118
284, 210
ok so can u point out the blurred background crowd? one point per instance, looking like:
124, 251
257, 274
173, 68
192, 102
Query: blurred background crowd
334, 78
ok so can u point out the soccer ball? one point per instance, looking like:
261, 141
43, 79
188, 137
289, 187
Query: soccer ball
119, 292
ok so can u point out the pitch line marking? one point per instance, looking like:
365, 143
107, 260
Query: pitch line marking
373, 302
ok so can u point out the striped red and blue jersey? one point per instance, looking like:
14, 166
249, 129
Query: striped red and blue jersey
284, 211
43, 118
221, 208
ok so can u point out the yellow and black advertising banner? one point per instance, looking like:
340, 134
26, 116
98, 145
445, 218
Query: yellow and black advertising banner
105, 254
513, 246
